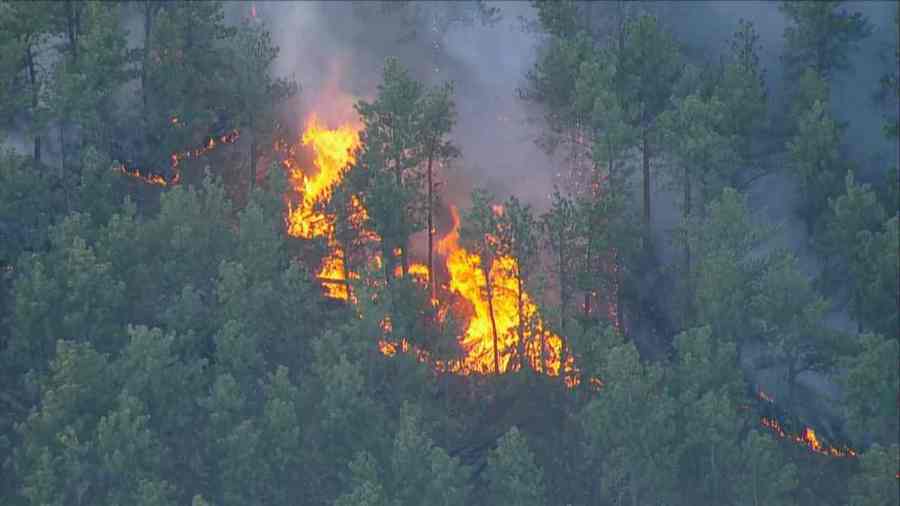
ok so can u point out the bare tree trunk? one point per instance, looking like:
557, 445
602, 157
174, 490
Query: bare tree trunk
431, 281
71, 28
563, 313
253, 148
148, 28
345, 265
688, 312
520, 305
32, 77
646, 183
404, 260
490, 300
62, 164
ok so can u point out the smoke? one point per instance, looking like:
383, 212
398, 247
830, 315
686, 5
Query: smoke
336, 51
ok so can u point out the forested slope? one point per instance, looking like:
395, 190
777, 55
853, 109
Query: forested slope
211, 295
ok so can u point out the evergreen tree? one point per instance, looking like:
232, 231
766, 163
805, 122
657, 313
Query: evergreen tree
257, 95
815, 161
871, 388
876, 483
391, 160
27, 28
634, 460
478, 233
821, 36
513, 476
790, 316
648, 65
853, 215
767, 478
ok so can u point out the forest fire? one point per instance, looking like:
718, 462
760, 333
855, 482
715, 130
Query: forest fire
175, 159
807, 437
153, 179
334, 152
496, 317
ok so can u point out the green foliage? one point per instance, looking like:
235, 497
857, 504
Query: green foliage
631, 456
815, 162
708, 386
743, 95
848, 238
877, 273
876, 483
694, 130
725, 271
512, 474
768, 478
29, 204
416, 472
256, 96
790, 317
27, 29
83, 89
871, 388
171, 347
820, 36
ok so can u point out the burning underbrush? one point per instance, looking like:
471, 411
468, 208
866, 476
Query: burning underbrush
494, 340
502, 328
149, 176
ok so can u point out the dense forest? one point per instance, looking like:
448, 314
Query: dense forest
239, 269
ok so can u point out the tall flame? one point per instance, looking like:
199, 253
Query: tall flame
334, 153
543, 348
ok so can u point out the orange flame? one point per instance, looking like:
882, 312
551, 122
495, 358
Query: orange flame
176, 158
542, 347
334, 153
808, 438
136, 174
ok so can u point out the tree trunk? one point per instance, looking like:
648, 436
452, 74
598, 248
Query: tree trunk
148, 27
71, 29
386, 262
252, 124
713, 471
404, 260
520, 306
62, 163
563, 313
431, 281
490, 300
645, 145
688, 309
345, 265
32, 77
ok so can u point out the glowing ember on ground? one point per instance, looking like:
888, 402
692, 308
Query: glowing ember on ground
136, 174
176, 158
807, 436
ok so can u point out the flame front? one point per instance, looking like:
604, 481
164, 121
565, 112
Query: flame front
334, 152
543, 349
176, 158
807, 437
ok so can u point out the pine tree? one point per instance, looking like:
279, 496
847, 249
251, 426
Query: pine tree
513, 476
820, 36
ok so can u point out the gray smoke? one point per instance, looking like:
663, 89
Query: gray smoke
342, 46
